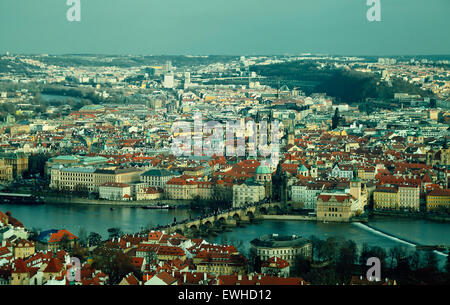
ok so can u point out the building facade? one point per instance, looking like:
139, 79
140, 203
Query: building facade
246, 193
284, 247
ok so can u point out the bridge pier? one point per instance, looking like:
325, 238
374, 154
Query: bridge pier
245, 219
231, 222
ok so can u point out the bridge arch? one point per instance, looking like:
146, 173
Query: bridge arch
193, 227
276, 209
220, 222
263, 210
207, 224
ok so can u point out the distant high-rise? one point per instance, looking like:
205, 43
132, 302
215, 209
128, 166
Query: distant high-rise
187, 79
169, 81
167, 66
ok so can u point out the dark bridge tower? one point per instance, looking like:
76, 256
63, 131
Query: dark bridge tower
279, 186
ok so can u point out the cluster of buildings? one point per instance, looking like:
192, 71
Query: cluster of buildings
122, 149
158, 258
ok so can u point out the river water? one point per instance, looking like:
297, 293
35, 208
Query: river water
100, 218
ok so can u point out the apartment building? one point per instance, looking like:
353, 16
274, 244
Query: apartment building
185, 189
156, 177
248, 192
115, 191
6, 171
397, 197
90, 178
306, 194
438, 200
18, 161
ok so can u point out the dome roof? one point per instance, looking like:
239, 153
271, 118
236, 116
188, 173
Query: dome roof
263, 170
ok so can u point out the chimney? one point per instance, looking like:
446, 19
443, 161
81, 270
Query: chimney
250, 277
184, 277
205, 275
239, 277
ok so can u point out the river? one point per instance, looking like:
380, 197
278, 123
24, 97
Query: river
99, 218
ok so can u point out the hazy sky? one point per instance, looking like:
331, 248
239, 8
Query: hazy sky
233, 27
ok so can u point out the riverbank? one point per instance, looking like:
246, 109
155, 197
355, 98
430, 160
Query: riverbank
288, 217
398, 214
101, 202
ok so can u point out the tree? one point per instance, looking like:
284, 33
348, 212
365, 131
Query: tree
113, 262
335, 119
254, 260
94, 239
415, 260
115, 232
447, 265
34, 233
396, 254
323, 276
79, 252
431, 261
348, 255
330, 248
65, 243
82, 235
301, 265
317, 247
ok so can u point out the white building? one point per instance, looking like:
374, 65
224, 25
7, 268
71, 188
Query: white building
342, 171
248, 192
306, 194
169, 81
115, 191
409, 197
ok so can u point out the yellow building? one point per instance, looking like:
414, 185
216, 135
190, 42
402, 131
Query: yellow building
18, 161
334, 207
180, 189
185, 189
168, 253
403, 197
23, 248
20, 275
6, 171
439, 157
438, 200
19, 129
221, 263
366, 173
385, 198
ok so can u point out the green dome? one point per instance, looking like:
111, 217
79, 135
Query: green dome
263, 170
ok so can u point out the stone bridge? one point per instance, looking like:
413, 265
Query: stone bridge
227, 218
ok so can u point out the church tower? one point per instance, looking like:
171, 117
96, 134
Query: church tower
279, 185
313, 171
355, 188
